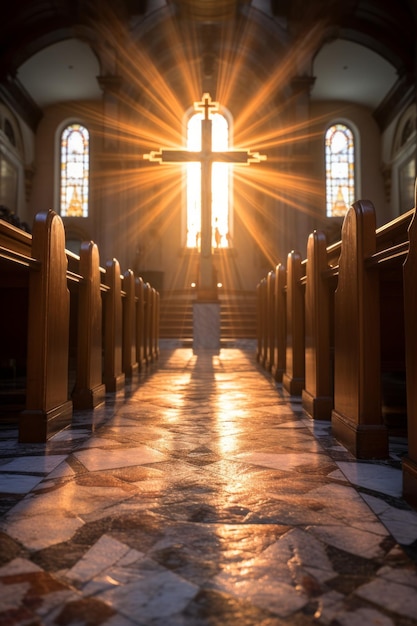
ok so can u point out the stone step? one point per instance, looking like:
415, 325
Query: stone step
237, 317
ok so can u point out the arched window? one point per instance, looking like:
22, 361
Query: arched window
220, 217
340, 169
75, 144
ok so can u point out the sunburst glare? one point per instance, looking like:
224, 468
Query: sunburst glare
156, 119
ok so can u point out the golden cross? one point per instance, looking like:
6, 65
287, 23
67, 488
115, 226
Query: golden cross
206, 157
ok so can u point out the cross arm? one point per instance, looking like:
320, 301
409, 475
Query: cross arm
173, 156
244, 157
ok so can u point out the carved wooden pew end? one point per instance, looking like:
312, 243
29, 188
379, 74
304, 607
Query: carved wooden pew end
86, 329
350, 339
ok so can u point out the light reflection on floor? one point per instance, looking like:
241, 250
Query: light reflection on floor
202, 496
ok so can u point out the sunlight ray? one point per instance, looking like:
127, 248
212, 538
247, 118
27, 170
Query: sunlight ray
248, 218
153, 114
294, 58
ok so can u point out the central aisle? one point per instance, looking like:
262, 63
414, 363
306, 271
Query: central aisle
202, 496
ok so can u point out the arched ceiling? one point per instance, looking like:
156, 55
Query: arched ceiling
47, 50
350, 72
71, 68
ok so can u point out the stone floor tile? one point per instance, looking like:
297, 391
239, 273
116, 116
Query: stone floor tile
202, 495
102, 555
394, 597
376, 476
18, 483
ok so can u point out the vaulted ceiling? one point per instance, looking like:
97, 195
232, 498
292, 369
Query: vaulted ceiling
366, 51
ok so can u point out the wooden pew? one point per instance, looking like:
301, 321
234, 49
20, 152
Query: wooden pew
294, 375
129, 359
270, 321
89, 390
259, 325
153, 330
48, 408
320, 281
15, 260
140, 322
280, 322
369, 328
54, 299
356, 417
155, 323
114, 377
147, 323
280, 311
409, 462
359, 339
262, 326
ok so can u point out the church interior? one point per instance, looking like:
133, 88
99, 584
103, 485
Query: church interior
208, 251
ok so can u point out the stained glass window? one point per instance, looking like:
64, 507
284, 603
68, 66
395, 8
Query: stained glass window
220, 184
340, 169
74, 171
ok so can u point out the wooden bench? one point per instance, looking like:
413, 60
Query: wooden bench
15, 260
350, 311
44, 262
369, 327
294, 375
320, 283
409, 464
66, 319
279, 340
89, 389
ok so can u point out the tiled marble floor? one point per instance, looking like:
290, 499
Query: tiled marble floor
202, 496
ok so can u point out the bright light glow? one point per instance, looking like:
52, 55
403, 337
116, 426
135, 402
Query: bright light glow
153, 196
219, 184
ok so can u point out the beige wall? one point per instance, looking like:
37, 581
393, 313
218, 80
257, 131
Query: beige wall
368, 151
135, 224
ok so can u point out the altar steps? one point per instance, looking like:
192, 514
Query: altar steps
237, 316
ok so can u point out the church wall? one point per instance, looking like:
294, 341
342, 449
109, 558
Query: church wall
45, 188
28, 141
396, 151
155, 233
42, 196
20, 159
148, 237
387, 140
368, 155
146, 234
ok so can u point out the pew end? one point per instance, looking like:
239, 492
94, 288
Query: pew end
357, 344
71, 333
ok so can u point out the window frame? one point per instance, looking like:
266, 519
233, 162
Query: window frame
355, 167
59, 166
